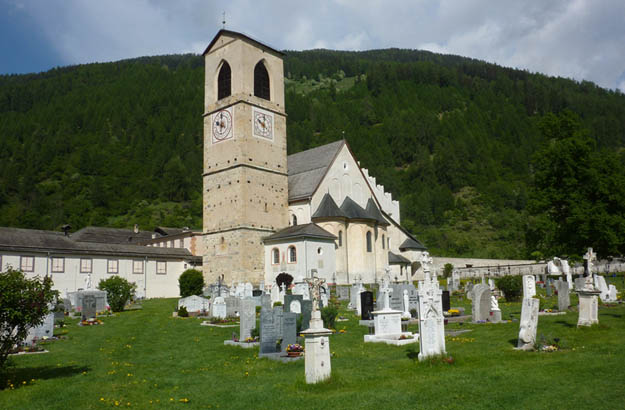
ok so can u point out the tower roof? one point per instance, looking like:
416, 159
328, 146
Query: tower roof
374, 211
328, 209
310, 230
241, 36
354, 211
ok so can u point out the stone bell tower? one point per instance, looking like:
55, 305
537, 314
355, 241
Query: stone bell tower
245, 182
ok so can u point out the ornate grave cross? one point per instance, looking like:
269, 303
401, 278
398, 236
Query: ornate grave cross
315, 284
589, 257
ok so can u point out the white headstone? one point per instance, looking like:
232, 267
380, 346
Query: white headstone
529, 324
491, 284
275, 293
602, 287
431, 320
406, 313
529, 286
481, 303
296, 306
564, 299
612, 294
247, 317
194, 304
219, 308
248, 290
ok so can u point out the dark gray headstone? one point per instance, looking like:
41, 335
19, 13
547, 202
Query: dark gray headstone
366, 300
270, 329
289, 329
446, 301
548, 287
342, 292
257, 292
306, 313
88, 307
265, 301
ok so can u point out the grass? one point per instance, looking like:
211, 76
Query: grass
147, 359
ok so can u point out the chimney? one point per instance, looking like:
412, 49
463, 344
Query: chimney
136, 228
65, 228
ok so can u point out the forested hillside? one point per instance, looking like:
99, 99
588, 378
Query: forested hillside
452, 138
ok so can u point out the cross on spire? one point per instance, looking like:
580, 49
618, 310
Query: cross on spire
223, 19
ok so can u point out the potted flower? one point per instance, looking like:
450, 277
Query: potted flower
294, 350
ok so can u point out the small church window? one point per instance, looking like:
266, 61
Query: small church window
224, 81
383, 241
275, 256
292, 254
369, 247
294, 220
340, 238
261, 81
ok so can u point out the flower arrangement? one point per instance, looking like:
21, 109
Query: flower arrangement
91, 322
454, 312
405, 337
343, 331
251, 339
295, 348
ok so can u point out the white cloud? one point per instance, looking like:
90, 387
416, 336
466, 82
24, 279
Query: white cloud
582, 39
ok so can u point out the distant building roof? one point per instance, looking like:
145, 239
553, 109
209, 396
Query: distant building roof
301, 231
394, 259
307, 168
110, 235
328, 209
241, 35
32, 240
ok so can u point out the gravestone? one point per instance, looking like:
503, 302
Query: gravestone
613, 297
580, 283
469, 290
270, 329
564, 299
194, 304
431, 320
219, 308
257, 293
481, 303
529, 324
397, 299
247, 318
387, 323
306, 313
354, 295
366, 301
88, 307
265, 301
529, 286
293, 303
548, 287
44, 330
601, 286
301, 289
342, 292
289, 329
446, 301
248, 291
491, 284
233, 306
275, 293
100, 299
455, 280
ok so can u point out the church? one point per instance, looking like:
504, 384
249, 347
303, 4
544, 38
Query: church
314, 213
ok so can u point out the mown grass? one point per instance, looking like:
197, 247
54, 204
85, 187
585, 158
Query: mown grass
147, 359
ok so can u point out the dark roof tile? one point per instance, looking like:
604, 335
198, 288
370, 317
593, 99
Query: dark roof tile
301, 231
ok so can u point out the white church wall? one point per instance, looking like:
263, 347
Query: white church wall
302, 211
385, 199
311, 254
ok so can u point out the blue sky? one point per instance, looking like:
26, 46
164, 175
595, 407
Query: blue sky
580, 39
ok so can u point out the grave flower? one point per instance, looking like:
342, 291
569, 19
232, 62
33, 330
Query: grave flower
295, 348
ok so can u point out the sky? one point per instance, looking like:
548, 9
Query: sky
579, 39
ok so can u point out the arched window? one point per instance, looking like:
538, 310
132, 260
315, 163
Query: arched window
275, 256
369, 247
223, 81
383, 240
261, 81
340, 238
294, 220
292, 254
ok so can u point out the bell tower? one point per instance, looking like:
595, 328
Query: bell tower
245, 181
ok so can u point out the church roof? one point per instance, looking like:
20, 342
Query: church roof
33, 240
354, 211
411, 243
301, 231
110, 235
373, 210
243, 36
394, 259
328, 209
307, 168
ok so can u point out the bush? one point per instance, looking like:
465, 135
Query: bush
329, 314
182, 312
23, 304
191, 282
448, 270
511, 286
277, 304
118, 291
255, 332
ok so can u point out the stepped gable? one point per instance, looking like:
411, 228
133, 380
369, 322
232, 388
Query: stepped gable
394, 259
32, 240
328, 209
411, 243
373, 210
110, 235
307, 168
310, 230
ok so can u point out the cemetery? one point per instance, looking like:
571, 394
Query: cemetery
147, 357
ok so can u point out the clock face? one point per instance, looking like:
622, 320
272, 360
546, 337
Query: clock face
263, 124
222, 125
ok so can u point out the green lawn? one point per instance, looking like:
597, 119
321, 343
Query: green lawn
147, 359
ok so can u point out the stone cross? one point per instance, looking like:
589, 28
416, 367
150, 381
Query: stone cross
426, 263
589, 257
315, 285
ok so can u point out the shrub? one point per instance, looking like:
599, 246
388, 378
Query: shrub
191, 282
258, 308
277, 304
255, 332
182, 312
118, 291
23, 304
511, 286
447, 270
329, 314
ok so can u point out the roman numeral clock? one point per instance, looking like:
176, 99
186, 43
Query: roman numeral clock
262, 123
222, 125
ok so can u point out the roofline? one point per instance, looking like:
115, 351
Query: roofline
336, 154
304, 236
96, 252
401, 228
241, 35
